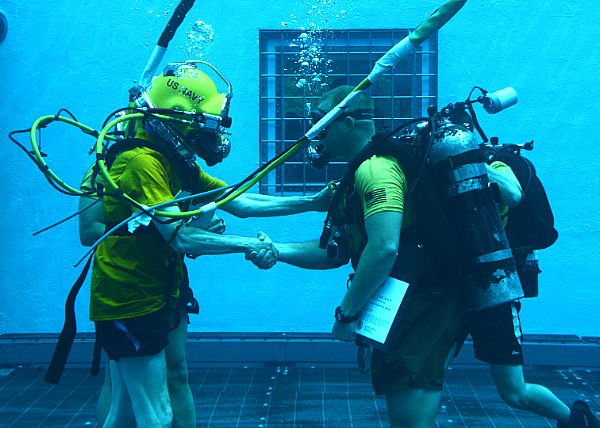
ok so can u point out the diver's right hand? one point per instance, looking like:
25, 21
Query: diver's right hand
262, 252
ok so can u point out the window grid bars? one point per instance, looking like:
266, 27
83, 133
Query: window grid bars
295, 176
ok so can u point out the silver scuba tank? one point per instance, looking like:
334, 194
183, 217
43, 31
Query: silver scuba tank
459, 172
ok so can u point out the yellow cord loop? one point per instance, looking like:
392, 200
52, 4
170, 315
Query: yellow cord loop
103, 170
42, 122
438, 19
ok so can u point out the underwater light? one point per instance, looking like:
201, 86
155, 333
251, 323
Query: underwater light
494, 102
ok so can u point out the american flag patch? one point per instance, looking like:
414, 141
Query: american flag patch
375, 197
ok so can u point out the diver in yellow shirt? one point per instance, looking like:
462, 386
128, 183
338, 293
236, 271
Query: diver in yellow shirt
378, 217
138, 277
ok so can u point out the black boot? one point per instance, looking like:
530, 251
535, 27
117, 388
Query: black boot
582, 416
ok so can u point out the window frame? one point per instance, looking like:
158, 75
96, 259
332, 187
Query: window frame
295, 177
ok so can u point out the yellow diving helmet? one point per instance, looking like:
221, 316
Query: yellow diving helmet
182, 87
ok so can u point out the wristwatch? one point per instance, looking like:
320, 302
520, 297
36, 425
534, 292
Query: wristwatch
341, 318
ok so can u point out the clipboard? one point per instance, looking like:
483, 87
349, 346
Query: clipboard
381, 314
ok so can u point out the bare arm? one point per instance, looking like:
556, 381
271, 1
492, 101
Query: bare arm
305, 255
376, 261
256, 205
510, 189
91, 221
194, 241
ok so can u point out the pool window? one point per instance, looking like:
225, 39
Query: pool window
296, 68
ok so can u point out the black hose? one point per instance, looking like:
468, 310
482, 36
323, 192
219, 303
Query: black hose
176, 19
76, 214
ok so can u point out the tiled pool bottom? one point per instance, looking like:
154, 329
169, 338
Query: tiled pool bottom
294, 396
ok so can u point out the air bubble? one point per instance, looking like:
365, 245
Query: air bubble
198, 38
312, 65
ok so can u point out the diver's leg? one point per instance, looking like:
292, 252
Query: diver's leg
519, 394
182, 401
413, 407
146, 381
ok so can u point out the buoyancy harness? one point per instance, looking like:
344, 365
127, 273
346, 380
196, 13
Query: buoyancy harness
425, 248
458, 169
187, 173
530, 224
458, 219
189, 178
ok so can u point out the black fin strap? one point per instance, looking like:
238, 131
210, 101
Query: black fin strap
67, 335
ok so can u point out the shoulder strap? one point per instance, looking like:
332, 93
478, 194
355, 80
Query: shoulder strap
375, 146
531, 223
432, 218
188, 173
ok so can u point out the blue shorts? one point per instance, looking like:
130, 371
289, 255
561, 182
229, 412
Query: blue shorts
496, 333
134, 337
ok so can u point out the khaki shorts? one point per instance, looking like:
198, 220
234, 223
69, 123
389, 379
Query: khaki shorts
420, 347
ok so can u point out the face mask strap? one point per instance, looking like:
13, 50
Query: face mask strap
358, 114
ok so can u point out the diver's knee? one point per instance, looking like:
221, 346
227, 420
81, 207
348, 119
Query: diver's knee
514, 398
177, 372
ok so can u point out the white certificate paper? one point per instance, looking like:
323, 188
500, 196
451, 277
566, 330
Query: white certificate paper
378, 315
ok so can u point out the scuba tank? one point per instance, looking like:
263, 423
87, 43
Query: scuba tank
459, 171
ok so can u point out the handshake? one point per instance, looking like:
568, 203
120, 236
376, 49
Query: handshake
259, 250
262, 252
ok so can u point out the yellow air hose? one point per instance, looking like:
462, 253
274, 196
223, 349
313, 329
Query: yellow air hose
433, 23
436, 21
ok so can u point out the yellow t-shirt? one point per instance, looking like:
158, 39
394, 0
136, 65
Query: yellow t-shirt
508, 173
129, 277
380, 185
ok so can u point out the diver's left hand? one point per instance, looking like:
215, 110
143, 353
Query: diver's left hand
322, 199
216, 225
344, 331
